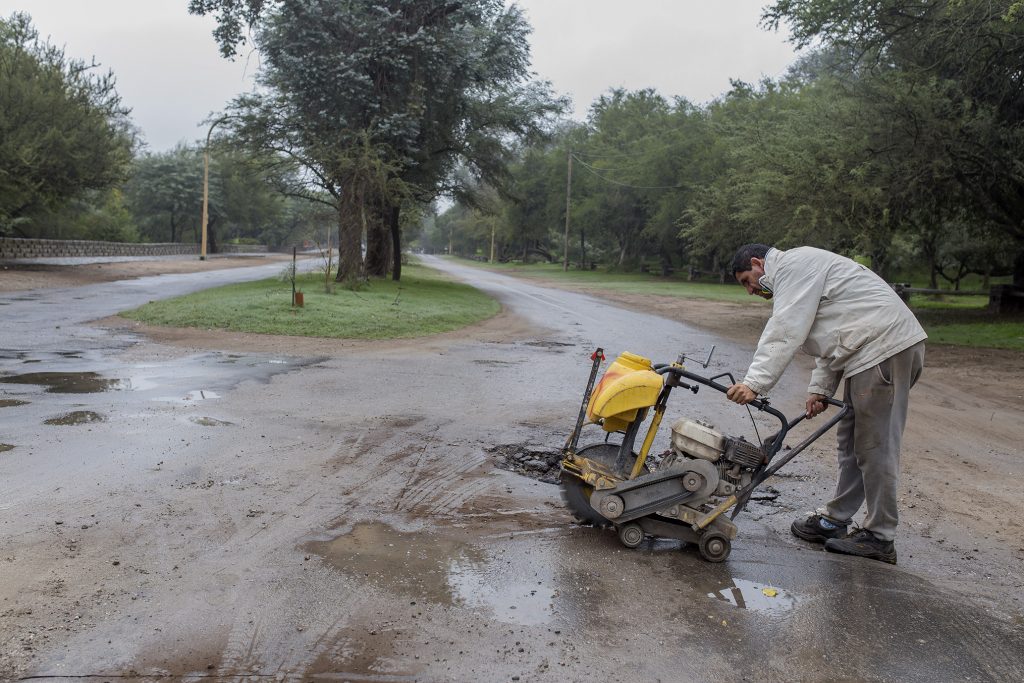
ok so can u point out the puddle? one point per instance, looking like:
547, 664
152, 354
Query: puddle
757, 597
198, 395
4, 447
211, 422
444, 570
66, 382
526, 599
11, 402
77, 417
413, 563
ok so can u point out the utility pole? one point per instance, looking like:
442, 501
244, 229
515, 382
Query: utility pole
568, 205
206, 184
492, 242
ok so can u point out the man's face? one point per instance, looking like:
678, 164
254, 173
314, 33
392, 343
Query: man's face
750, 279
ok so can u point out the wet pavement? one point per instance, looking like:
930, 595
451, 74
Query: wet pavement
253, 516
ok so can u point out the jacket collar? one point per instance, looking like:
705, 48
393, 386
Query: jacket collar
771, 265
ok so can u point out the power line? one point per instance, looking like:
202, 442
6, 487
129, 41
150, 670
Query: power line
596, 172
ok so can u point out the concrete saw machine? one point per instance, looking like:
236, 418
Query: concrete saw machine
702, 476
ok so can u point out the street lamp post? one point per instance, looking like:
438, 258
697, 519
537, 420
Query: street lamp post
206, 184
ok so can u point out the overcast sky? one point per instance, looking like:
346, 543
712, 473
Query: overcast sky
169, 71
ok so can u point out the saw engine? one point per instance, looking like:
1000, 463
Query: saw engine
735, 459
704, 473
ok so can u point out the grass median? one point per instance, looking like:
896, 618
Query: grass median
954, 320
424, 302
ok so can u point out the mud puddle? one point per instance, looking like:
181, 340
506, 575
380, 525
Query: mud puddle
414, 563
66, 382
11, 402
190, 397
76, 417
4, 447
440, 569
744, 594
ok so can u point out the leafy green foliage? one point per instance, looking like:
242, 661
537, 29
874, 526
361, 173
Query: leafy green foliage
898, 137
381, 102
63, 131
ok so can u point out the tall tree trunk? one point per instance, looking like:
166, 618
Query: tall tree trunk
396, 243
1018, 268
211, 236
378, 238
880, 262
350, 243
583, 248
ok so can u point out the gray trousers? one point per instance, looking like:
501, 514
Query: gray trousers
869, 441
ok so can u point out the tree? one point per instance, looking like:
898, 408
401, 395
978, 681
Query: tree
63, 130
382, 101
967, 56
165, 194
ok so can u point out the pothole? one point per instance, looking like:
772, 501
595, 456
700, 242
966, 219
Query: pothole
76, 417
547, 344
535, 462
65, 382
11, 402
211, 422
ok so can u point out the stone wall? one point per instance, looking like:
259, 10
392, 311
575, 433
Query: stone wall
14, 248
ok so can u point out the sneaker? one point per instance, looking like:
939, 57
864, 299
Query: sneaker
863, 543
818, 528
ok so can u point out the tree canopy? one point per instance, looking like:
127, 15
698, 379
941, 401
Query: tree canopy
383, 102
896, 137
63, 130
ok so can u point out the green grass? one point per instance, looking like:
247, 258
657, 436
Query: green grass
629, 283
424, 302
972, 327
956, 320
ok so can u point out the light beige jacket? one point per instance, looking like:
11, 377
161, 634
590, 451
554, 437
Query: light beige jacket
831, 308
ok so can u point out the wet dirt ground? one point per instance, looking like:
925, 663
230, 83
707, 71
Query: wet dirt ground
305, 510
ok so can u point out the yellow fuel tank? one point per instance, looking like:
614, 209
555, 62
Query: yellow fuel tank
627, 387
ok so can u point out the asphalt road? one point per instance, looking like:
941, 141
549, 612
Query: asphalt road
249, 516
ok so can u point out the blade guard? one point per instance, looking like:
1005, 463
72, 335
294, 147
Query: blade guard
629, 386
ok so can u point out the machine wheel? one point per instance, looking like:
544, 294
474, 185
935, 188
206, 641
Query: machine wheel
576, 493
631, 535
714, 546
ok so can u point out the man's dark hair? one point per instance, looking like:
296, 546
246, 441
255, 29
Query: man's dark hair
741, 261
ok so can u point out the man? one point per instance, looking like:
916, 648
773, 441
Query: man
856, 328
